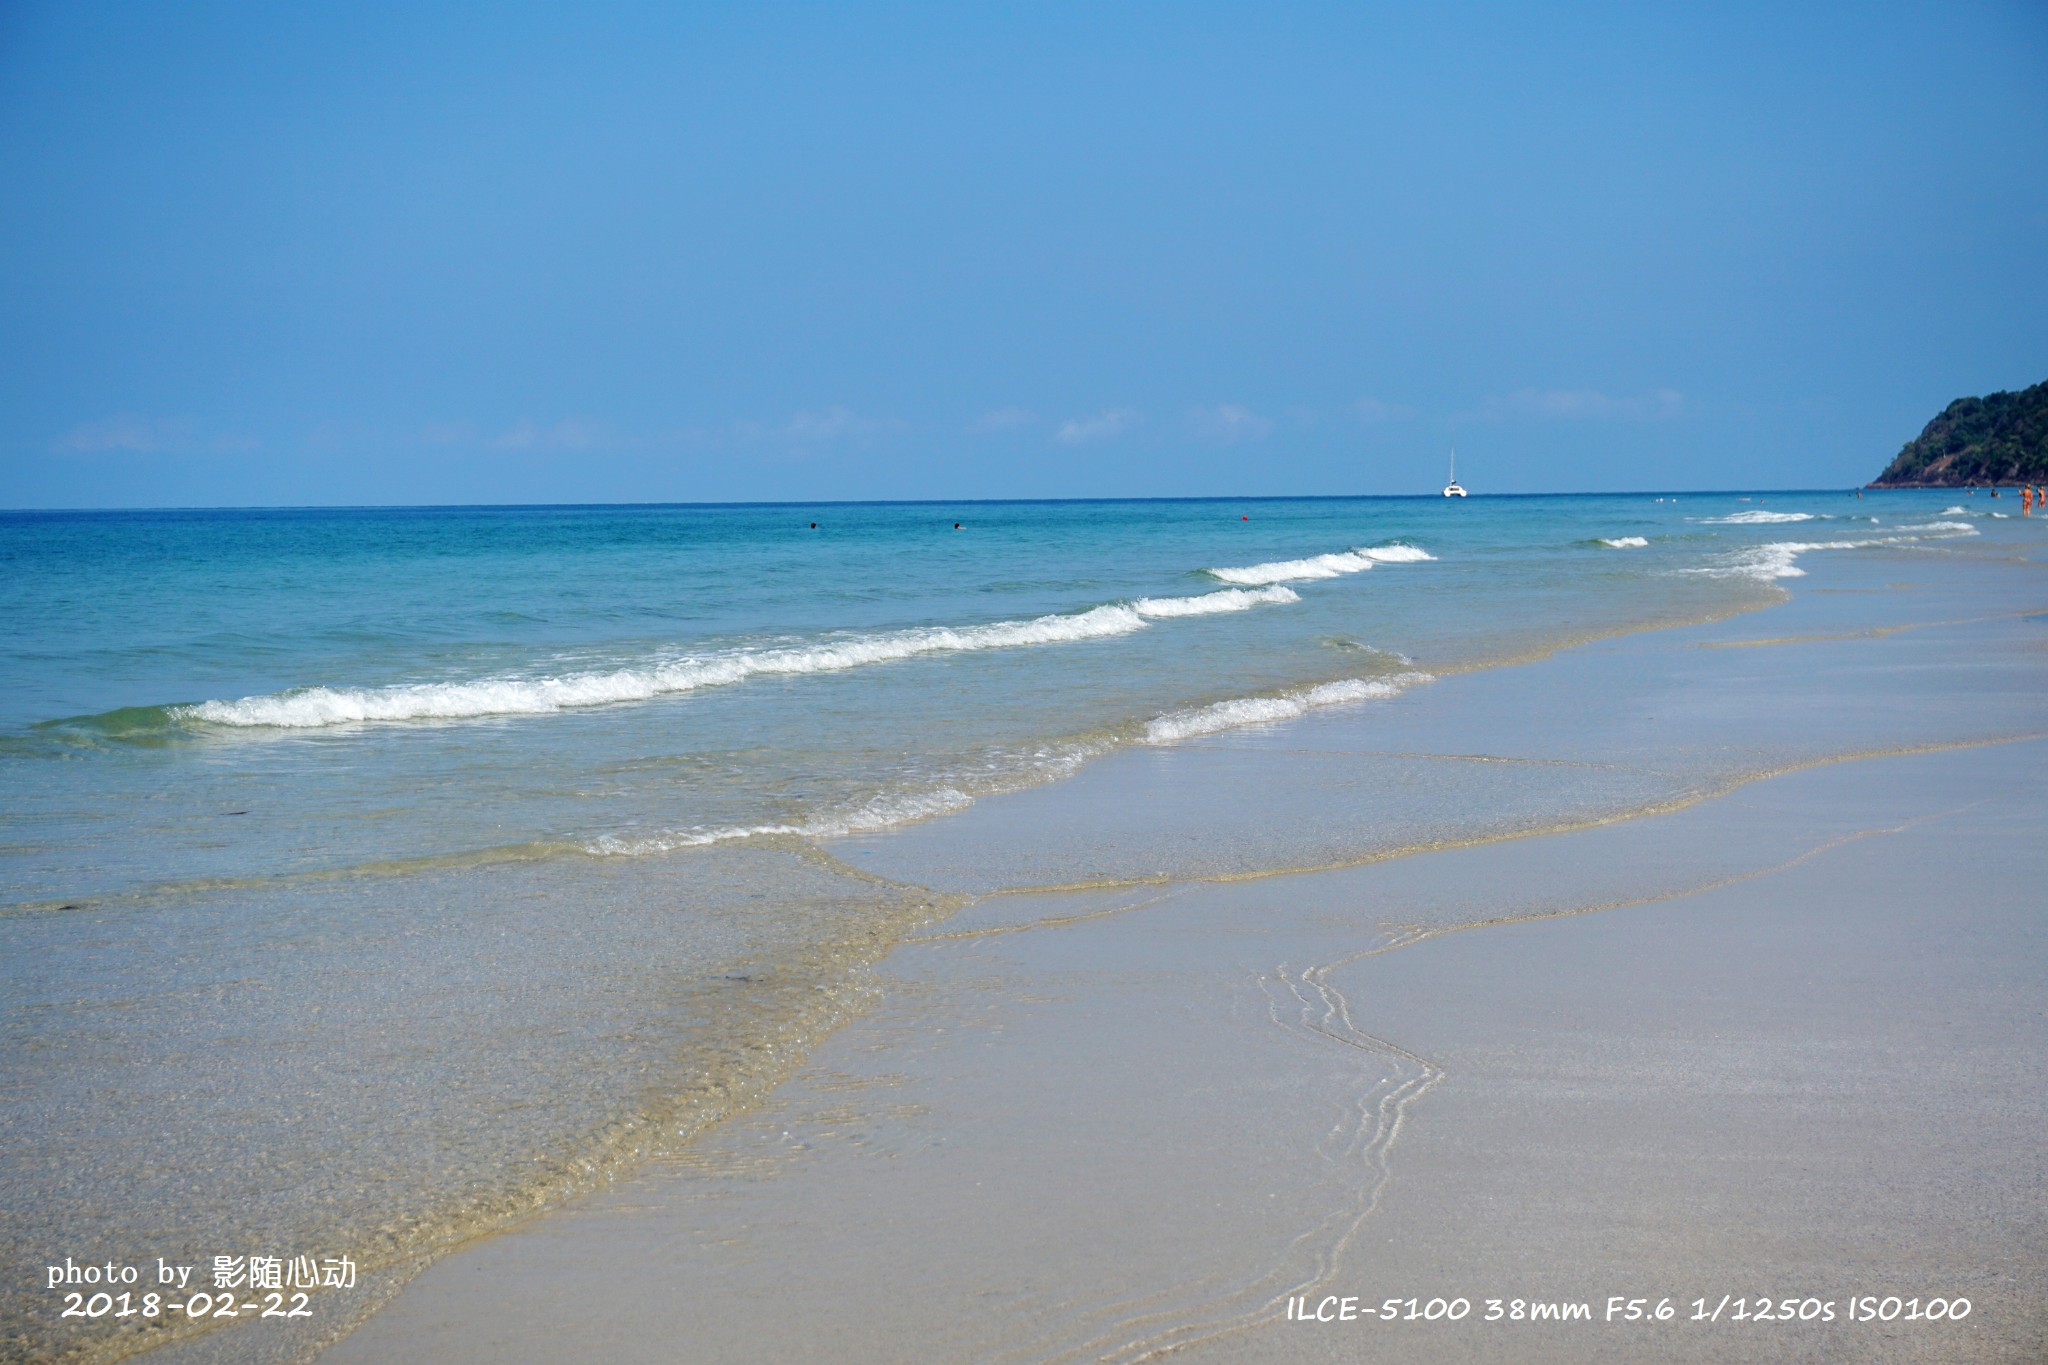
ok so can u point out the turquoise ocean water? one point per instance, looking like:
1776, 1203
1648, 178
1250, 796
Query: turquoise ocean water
371, 877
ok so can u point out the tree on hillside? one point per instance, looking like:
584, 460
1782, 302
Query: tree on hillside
1999, 438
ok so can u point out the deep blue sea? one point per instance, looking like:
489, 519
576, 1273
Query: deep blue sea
432, 861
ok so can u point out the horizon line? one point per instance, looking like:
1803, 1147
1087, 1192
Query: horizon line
929, 502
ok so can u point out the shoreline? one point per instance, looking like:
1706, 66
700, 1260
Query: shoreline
408, 938
1482, 755
752, 1048
1078, 911
810, 1166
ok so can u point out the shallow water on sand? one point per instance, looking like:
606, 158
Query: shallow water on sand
1095, 1123
374, 877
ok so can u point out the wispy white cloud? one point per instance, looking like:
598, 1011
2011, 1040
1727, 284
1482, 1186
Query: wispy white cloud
1588, 405
122, 433
524, 436
1000, 420
801, 431
1101, 427
1227, 424
1371, 410
838, 424
151, 436
820, 428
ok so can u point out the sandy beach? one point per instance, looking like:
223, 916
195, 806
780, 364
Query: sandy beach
1763, 1022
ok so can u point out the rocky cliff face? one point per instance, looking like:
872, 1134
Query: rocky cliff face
1999, 438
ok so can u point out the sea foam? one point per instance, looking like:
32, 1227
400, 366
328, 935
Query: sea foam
891, 809
1241, 711
1210, 603
1321, 566
1758, 517
884, 810
1625, 542
1779, 559
1397, 554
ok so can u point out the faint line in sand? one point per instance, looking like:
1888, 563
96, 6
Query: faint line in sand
1048, 922
1873, 633
1324, 1012
1665, 807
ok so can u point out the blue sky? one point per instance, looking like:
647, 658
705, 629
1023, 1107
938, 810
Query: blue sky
443, 253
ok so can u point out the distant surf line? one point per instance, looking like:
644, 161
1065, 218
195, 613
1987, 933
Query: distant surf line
1321, 566
317, 707
321, 707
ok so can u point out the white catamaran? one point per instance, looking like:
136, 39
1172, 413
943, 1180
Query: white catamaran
1452, 489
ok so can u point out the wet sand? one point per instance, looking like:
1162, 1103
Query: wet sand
1764, 1015
1147, 1129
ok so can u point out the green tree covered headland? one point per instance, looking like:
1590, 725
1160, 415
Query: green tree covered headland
1999, 438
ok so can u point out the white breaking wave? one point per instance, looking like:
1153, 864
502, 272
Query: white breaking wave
1625, 543
315, 707
1779, 559
1321, 566
1241, 711
1757, 518
1209, 603
953, 794
1952, 512
1397, 554
885, 811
